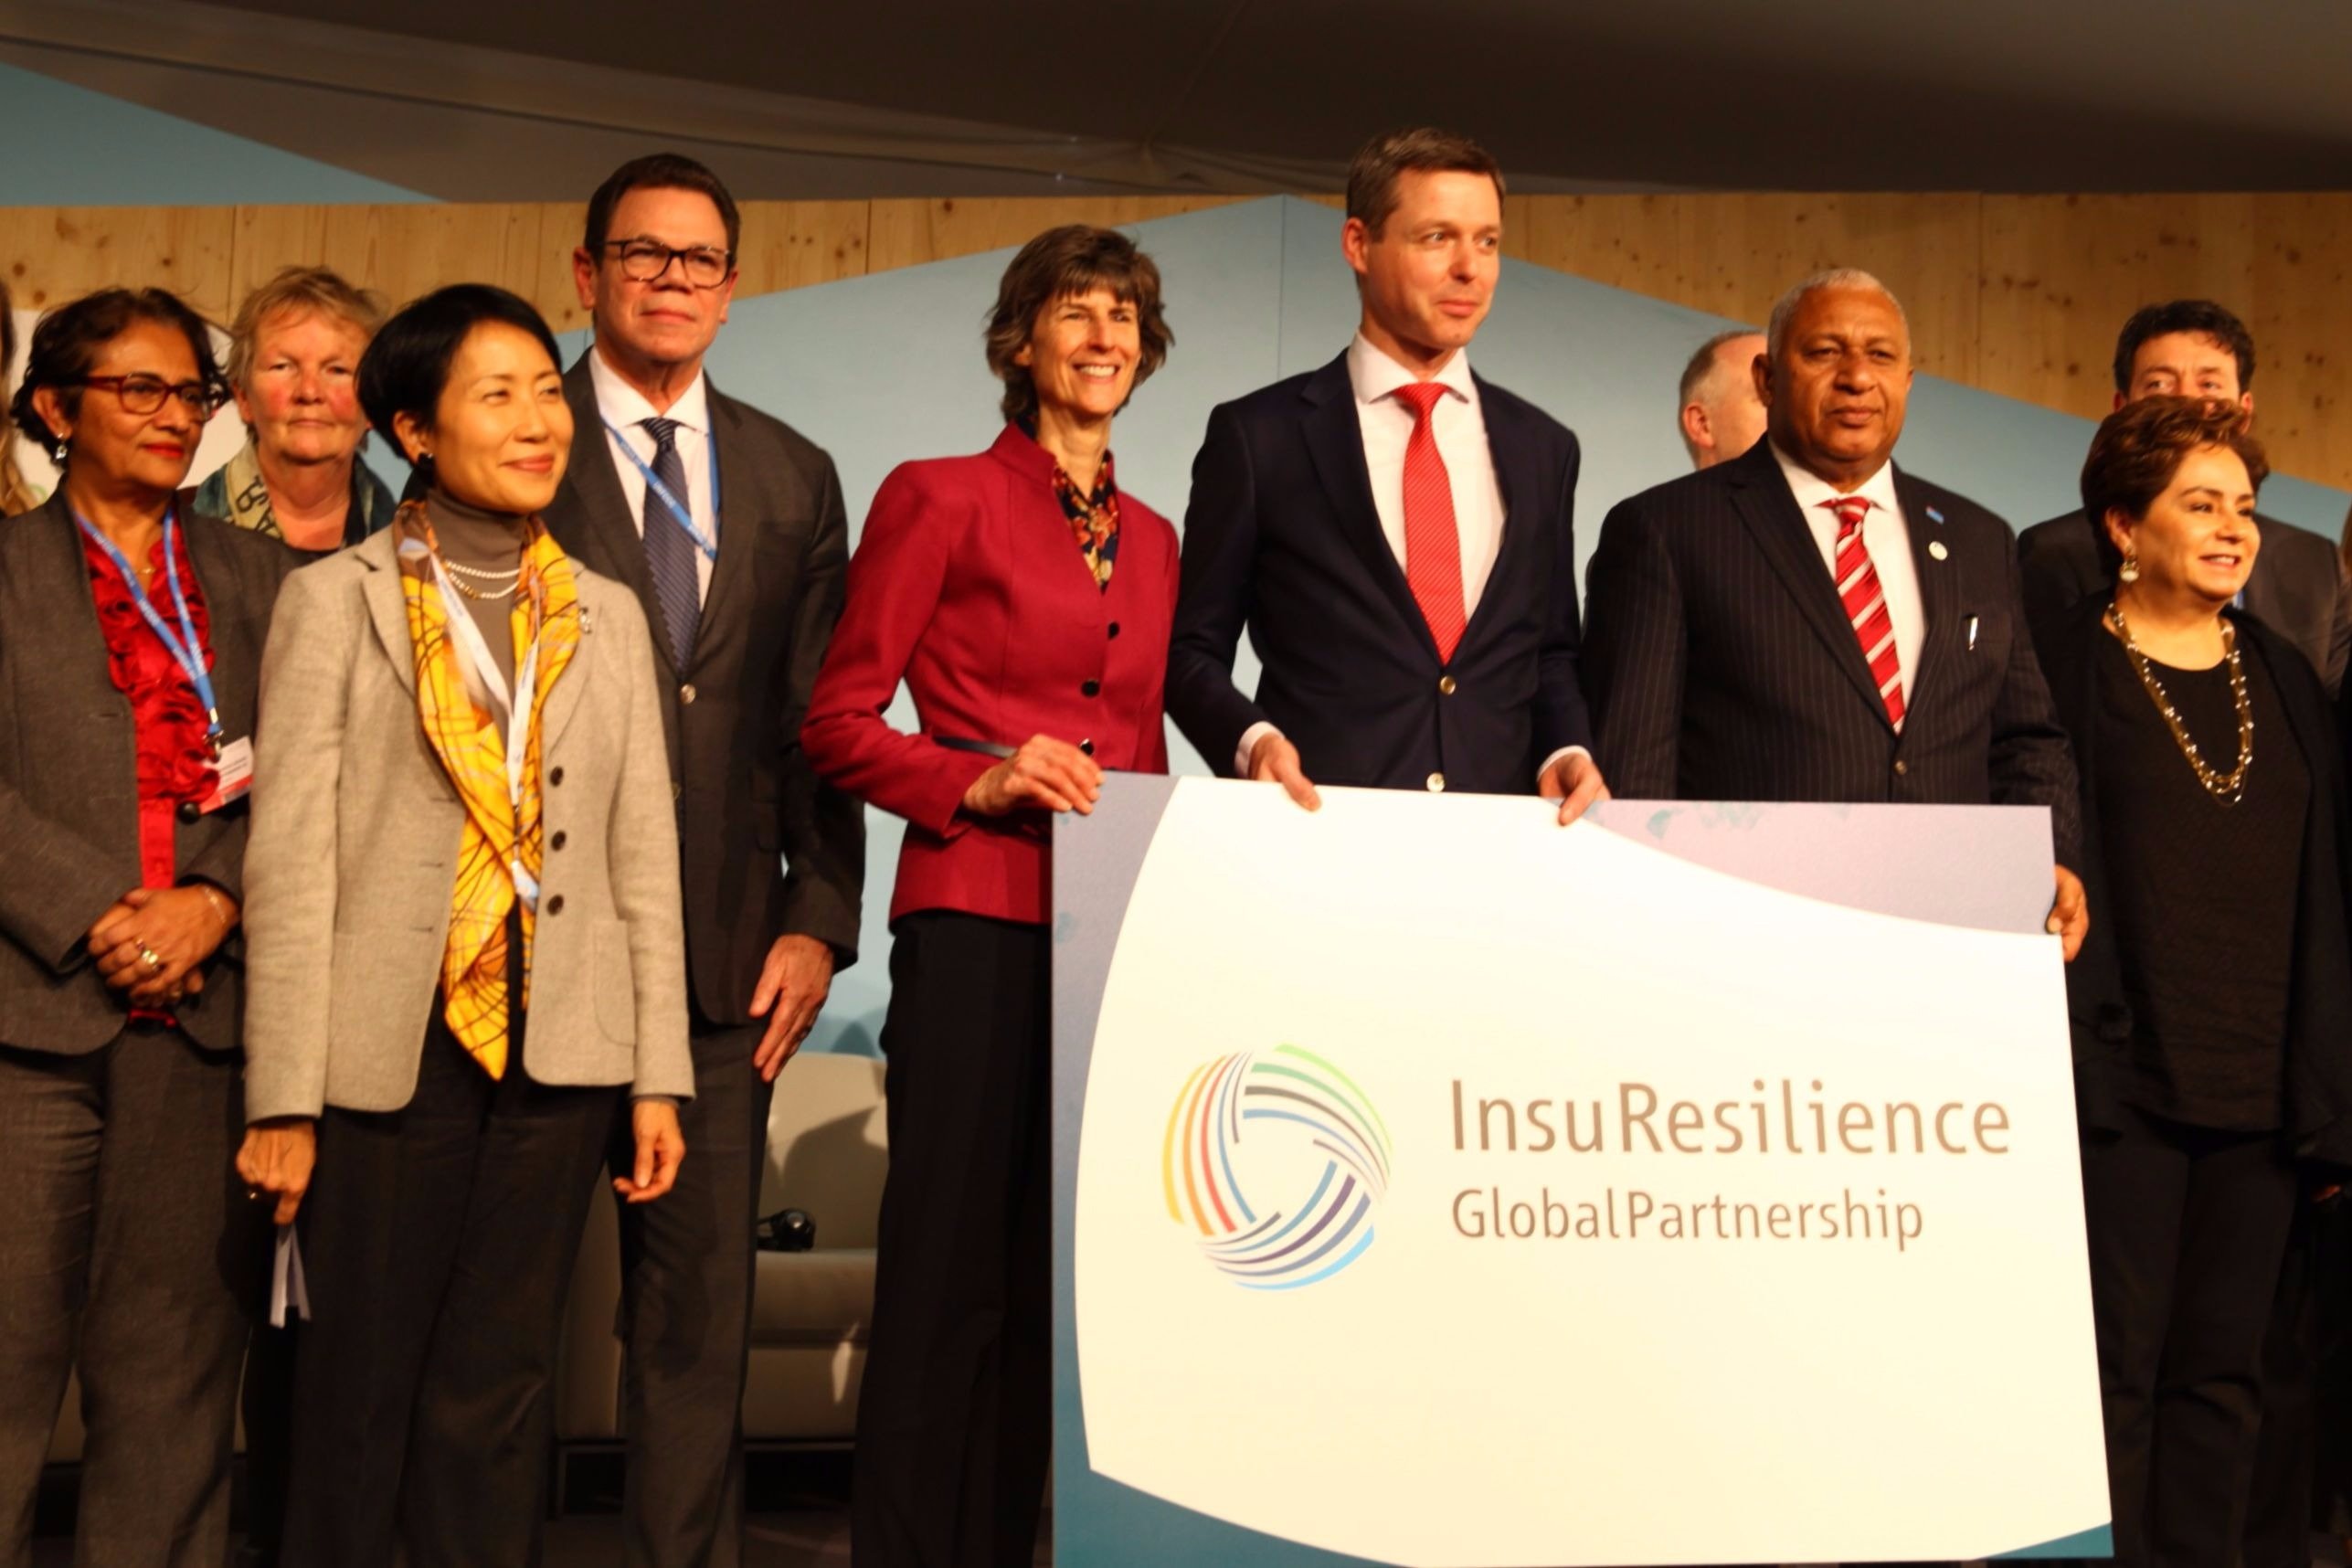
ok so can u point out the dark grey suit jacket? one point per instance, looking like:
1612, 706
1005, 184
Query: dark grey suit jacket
1721, 665
2298, 587
764, 847
70, 777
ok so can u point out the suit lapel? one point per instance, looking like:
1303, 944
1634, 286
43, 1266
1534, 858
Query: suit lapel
1761, 493
64, 570
388, 610
1336, 440
571, 685
236, 662
1522, 487
1939, 583
614, 545
738, 541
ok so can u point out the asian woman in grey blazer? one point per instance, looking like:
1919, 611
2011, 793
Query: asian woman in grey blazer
464, 951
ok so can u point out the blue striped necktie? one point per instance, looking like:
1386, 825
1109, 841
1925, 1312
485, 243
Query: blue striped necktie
669, 551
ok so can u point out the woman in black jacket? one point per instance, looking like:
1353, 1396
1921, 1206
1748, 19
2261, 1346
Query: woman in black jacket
2210, 999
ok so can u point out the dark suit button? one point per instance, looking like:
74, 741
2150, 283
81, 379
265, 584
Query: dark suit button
1114, 629
1902, 768
1087, 746
555, 777
1445, 685
1091, 689
189, 812
557, 842
555, 905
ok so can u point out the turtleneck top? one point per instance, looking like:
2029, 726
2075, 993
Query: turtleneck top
492, 541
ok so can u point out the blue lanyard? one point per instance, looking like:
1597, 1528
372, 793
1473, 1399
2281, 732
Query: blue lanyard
184, 649
675, 506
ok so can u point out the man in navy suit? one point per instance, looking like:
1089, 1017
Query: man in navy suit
1396, 535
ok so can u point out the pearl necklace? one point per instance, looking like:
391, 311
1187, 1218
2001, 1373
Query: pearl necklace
480, 583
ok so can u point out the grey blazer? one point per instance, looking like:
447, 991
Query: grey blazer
69, 776
355, 847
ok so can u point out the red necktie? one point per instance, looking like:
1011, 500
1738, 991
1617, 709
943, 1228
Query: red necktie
1432, 544
1865, 602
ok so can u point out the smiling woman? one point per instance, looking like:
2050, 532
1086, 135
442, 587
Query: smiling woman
130, 635
468, 818
1026, 601
2209, 997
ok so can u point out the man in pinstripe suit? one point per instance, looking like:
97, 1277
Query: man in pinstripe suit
1810, 623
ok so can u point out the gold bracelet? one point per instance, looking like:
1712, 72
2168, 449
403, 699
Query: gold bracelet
219, 906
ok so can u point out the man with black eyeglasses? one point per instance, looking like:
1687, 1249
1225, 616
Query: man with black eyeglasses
730, 527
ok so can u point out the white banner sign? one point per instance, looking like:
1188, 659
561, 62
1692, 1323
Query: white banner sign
1454, 1189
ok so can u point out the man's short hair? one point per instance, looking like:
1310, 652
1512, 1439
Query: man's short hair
659, 171
1784, 309
1425, 149
1702, 364
2200, 316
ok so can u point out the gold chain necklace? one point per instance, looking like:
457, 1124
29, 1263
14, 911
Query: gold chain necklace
2227, 789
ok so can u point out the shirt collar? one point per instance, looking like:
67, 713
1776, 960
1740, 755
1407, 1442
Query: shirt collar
1375, 375
624, 406
1811, 490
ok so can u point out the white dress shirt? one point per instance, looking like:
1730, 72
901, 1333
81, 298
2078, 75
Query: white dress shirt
1885, 534
625, 409
1460, 427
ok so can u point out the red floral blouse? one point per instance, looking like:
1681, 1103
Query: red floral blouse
175, 761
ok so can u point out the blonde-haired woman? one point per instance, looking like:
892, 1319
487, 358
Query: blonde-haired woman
293, 367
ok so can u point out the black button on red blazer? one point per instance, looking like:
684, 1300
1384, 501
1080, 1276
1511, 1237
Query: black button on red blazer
967, 584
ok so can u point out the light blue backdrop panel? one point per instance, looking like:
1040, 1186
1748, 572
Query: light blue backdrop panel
105, 152
884, 368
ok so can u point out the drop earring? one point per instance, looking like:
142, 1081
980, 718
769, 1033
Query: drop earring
2131, 570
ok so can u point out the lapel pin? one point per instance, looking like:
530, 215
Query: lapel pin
1935, 547
1937, 517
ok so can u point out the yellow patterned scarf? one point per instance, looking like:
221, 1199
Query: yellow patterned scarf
466, 738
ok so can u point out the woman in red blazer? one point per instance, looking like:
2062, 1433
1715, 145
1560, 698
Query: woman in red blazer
1026, 604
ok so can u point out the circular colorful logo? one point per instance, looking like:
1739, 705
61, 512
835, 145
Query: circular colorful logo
1277, 1161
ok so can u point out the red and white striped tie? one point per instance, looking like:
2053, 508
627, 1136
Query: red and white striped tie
1866, 603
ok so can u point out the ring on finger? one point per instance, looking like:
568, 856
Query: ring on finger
149, 957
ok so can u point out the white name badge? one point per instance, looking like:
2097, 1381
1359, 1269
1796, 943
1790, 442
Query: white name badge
233, 774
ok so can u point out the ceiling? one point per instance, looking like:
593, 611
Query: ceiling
472, 100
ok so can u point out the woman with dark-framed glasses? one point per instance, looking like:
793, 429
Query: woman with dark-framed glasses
131, 639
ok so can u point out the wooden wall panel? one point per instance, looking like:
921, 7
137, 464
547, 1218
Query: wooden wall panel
404, 250
792, 244
1732, 255
909, 233
2020, 295
56, 253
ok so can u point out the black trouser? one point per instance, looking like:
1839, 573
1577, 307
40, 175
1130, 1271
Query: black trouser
2279, 1502
955, 1419
2188, 1228
268, 1408
686, 1276
127, 1248
437, 1243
